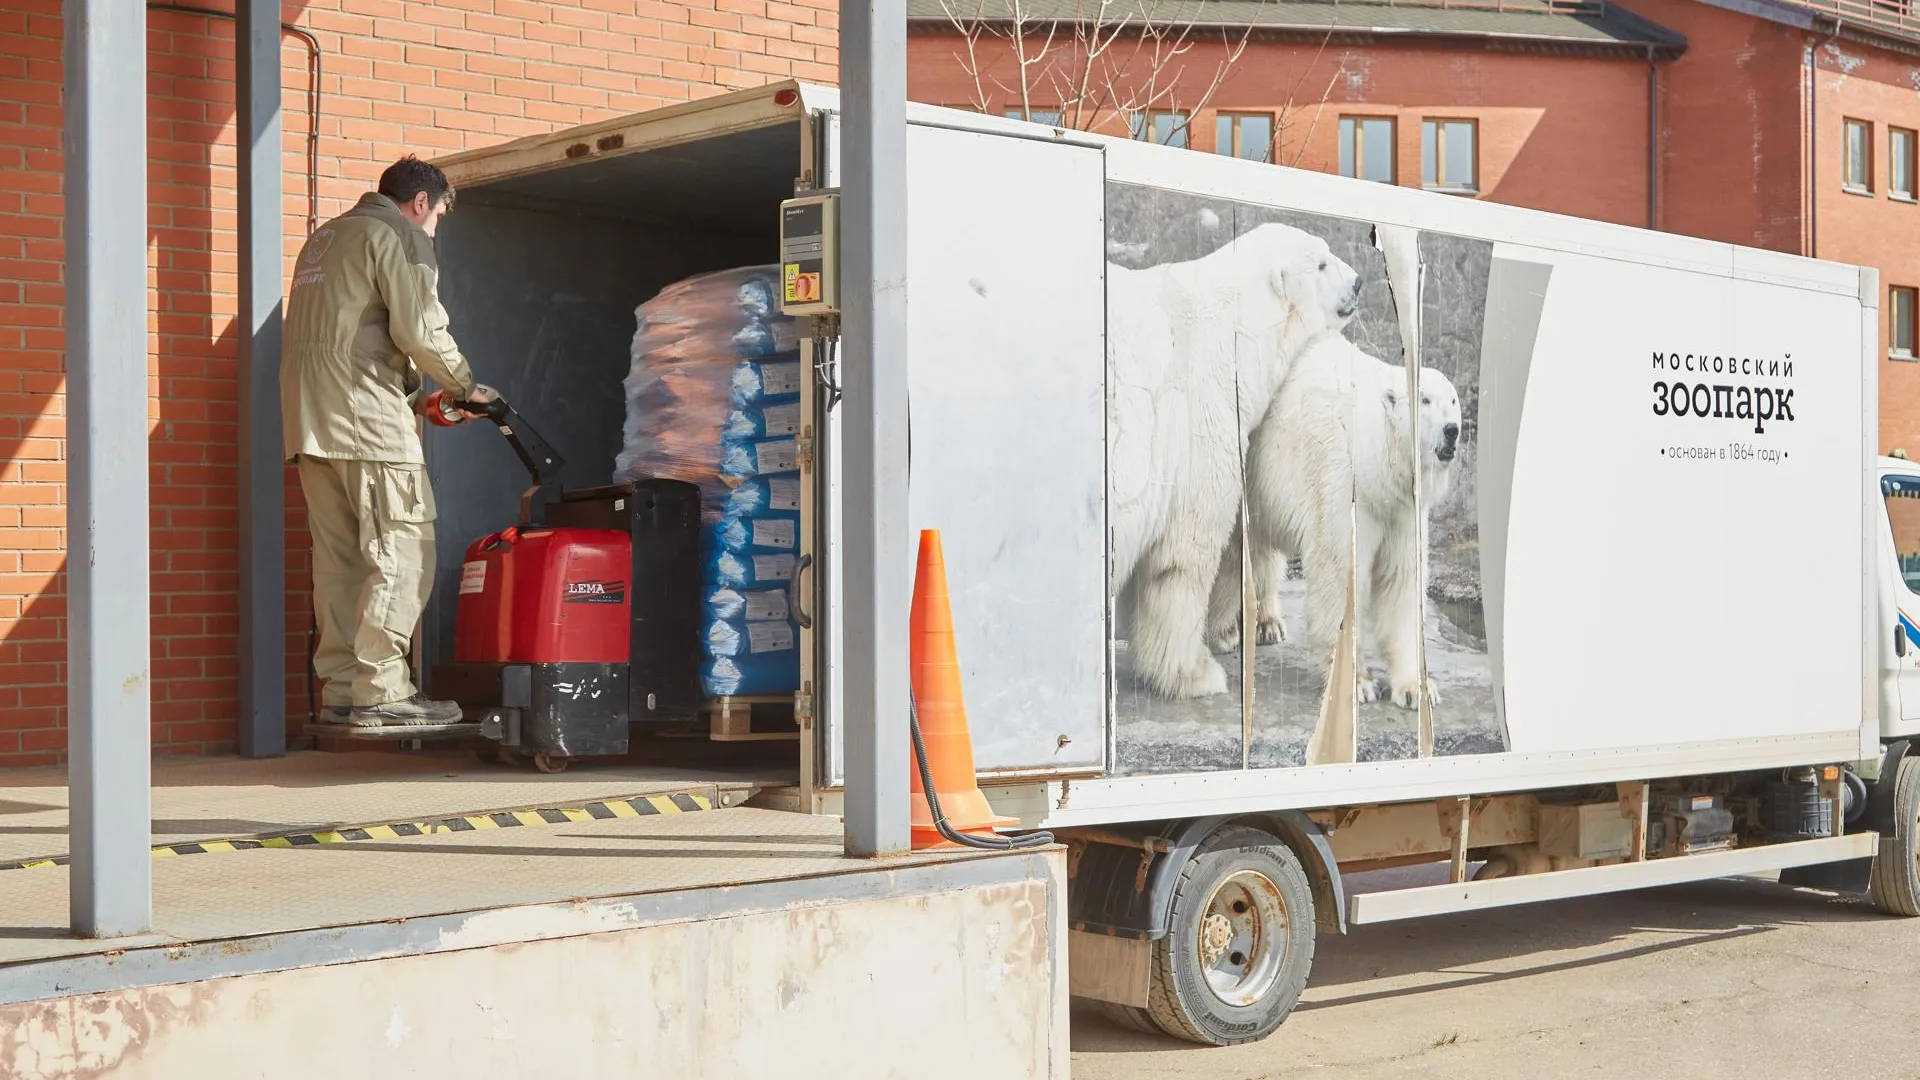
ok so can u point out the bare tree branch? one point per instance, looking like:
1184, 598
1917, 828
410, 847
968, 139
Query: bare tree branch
1293, 95
1325, 96
1102, 61
970, 31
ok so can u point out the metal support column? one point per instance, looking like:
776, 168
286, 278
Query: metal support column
877, 572
263, 565
109, 711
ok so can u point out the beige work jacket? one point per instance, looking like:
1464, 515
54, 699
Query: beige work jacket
364, 322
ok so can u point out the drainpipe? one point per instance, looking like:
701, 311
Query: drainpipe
1813, 142
1653, 141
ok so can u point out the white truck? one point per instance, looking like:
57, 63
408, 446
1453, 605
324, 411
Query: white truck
1567, 556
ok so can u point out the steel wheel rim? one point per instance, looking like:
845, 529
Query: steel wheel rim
1242, 944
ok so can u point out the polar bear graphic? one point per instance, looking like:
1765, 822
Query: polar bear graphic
1198, 350
1331, 462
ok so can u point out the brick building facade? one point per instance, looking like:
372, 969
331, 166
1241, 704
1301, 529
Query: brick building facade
1526, 82
1725, 119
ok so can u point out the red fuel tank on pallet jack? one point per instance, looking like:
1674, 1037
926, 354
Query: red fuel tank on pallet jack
545, 596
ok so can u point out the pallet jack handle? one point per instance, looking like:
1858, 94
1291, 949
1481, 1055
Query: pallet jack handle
542, 462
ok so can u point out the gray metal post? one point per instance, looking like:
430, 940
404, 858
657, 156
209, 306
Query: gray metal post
109, 711
877, 572
263, 534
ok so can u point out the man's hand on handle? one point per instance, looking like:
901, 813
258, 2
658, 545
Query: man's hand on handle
445, 410
482, 395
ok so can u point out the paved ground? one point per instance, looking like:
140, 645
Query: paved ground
1738, 978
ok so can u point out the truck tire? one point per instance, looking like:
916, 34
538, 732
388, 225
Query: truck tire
1129, 1018
1239, 942
1895, 885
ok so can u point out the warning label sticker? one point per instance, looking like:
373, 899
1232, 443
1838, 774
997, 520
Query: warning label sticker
765, 606
782, 419
778, 379
473, 578
777, 456
773, 567
769, 637
776, 533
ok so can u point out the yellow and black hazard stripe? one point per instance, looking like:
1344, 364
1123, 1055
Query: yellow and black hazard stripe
638, 806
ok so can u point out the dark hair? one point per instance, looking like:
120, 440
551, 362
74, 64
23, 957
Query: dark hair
410, 176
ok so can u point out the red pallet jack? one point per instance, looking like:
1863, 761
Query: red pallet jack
575, 622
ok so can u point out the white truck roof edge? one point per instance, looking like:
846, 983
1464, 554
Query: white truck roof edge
765, 105
666, 126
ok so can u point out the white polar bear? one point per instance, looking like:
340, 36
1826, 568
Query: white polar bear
1197, 351
1339, 435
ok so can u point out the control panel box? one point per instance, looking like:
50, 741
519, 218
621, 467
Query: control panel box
810, 254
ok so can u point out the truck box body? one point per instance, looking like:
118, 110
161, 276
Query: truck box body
1644, 550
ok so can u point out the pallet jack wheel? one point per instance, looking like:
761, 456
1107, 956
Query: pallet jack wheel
547, 763
488, 753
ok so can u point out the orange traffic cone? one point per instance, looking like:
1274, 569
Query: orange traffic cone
943, 715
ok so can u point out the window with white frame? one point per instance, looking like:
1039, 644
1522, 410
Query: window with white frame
1901, 331
1856, 160
1900, 163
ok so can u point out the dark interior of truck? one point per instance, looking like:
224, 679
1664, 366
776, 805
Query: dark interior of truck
540, 274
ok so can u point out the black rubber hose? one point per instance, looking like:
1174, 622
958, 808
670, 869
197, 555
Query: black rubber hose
984, 843
1857, 788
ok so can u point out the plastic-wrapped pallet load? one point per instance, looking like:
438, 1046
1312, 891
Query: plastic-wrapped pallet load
713, 399
752, 645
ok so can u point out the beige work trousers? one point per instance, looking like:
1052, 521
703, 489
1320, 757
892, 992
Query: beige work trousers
372, 529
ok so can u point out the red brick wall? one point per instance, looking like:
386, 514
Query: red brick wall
1875, 230
1570, 135
1736, 169
1560, 133
399, 76
1734, 141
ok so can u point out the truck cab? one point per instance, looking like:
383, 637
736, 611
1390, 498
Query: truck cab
1898, 571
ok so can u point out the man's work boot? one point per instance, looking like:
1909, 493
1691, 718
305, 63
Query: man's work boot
416, 711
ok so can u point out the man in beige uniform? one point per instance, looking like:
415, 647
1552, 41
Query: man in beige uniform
363, 323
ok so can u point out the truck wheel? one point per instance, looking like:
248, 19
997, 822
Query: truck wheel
1895, 885
1239, 942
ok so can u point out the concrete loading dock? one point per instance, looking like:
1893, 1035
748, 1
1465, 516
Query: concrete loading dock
688, 935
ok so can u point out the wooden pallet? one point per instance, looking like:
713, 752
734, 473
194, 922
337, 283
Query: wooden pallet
751, 719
